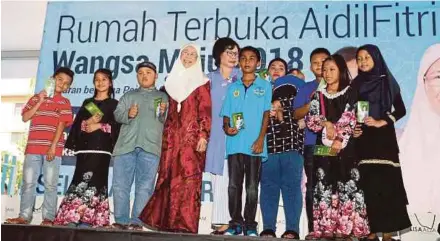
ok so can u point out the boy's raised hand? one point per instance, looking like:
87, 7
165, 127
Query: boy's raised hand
162, 107
42, 95
133, 111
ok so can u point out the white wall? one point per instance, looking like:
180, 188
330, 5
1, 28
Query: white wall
22, 24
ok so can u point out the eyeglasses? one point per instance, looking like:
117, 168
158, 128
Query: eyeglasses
231, 54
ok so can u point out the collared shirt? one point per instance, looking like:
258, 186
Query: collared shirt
146, 129
217, 141
304, 96
252, 104
45, 122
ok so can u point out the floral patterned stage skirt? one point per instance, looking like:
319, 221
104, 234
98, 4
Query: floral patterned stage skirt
339, 208
86, 200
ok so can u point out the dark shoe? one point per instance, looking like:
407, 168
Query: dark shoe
268, 233
367, 239
18, 220
84, 225
233, 230
290, 234
217, 232
135, 227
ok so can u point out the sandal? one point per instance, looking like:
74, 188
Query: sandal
268, 233
46, 222
218, 232
135, 227
290, 234
18, 220
118, 226
310, 236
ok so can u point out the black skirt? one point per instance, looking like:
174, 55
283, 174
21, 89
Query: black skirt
86, 200
381, 179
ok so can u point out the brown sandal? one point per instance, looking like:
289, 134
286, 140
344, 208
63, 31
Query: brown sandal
46, 222
118, 226
18, 220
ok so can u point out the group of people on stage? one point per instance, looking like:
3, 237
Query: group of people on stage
241, 128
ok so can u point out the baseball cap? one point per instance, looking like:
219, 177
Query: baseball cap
146, 64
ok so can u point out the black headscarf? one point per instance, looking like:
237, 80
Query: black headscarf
377, 86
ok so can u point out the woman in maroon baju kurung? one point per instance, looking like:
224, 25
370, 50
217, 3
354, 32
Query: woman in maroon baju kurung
175, 204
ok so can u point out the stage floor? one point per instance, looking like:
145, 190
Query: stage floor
39, 233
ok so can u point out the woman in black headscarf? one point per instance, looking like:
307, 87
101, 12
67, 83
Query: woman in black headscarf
376, 145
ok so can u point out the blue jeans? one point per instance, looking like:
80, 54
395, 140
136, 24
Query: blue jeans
31, 171
308, 167
140, 166
282, 171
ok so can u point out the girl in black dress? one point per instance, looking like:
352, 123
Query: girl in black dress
338, 202
92, 138
376, 145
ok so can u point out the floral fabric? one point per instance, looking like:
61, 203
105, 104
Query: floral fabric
83, 203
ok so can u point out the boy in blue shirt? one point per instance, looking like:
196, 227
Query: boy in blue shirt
301, 106
247, 106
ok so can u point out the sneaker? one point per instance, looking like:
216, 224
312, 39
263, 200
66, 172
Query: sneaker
251, 233
233, 230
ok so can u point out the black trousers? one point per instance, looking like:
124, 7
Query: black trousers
308, 167
240, 166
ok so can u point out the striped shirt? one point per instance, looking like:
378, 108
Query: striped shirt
44, 124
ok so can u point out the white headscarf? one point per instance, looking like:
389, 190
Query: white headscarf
181, 81
419, 146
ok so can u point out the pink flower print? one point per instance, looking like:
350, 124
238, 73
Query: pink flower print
94, 201
76, 203
81, 209
363, 212
316, 214
360, 228
342, 225
101, 219
335, 201
347, 208
334, 214
89, 215
323, 206
104, 204
72, 217
316, 226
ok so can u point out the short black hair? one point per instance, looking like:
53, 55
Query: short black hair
344, 74
294, 69
252, 49
319, 51
220, 46
348, 53
280, 60
66, 71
